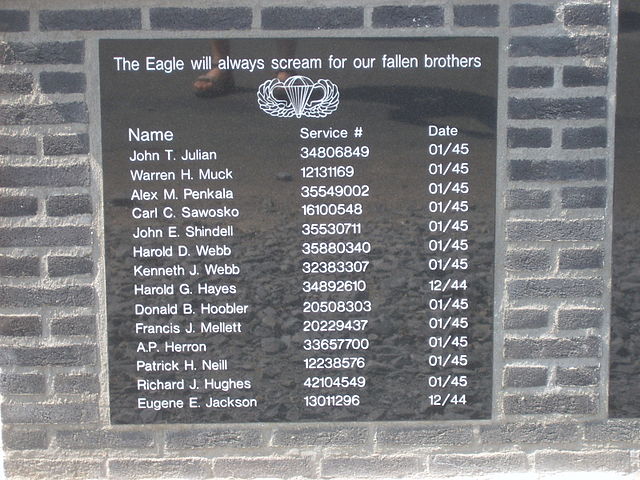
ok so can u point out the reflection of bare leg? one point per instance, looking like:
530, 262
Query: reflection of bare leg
285, 48
215, 81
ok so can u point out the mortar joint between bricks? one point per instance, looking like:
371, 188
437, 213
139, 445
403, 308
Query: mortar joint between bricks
372, 437
269, 434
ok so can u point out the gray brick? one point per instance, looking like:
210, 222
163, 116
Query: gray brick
65, 205
68, 265
543, 46
62, 176
296, 18
573, 318
63, 82
20, 439
17, 145
82, 383
101, 439
18, 206
551, 347
17, 383
586, 14
554, 230
55, 53
19, 266
555, 288
582, 138
522, 377
65, 356
161, 468
99, 19
529, 260
379, 466
47, 413
427, 436
44, 236
20, 326
581, 258
69, 296
526, 318
531, 170
519, 433
521, 199
557, 108
529, 137
214, 438
54, 469
319, 436
475, 15
549, 404
65, 266
477, 464
55, 113
530, 77
412, 16
14, 20
605, 460
524, 14
577, 376
584, 76
584, 197
80, 325
268, 467
201, 18
605, 432
16, 82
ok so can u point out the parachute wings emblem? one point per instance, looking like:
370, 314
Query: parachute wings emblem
298, 96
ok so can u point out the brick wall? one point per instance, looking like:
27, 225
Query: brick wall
555, 117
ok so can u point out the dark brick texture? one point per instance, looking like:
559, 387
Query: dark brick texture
102, 19
201, 18
475, 15
413, 16
295, 18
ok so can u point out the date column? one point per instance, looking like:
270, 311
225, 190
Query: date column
448, 261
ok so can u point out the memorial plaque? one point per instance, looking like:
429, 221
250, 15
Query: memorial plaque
312, 241
624, 386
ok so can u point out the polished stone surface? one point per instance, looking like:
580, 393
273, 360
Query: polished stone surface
260, 353
624, 386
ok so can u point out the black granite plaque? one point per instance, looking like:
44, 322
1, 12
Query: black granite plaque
625, 305
310, 238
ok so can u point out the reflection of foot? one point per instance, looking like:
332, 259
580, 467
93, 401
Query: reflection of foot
282, 75
214, 83
279, 93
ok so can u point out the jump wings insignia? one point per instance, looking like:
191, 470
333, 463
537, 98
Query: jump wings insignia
298, 96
